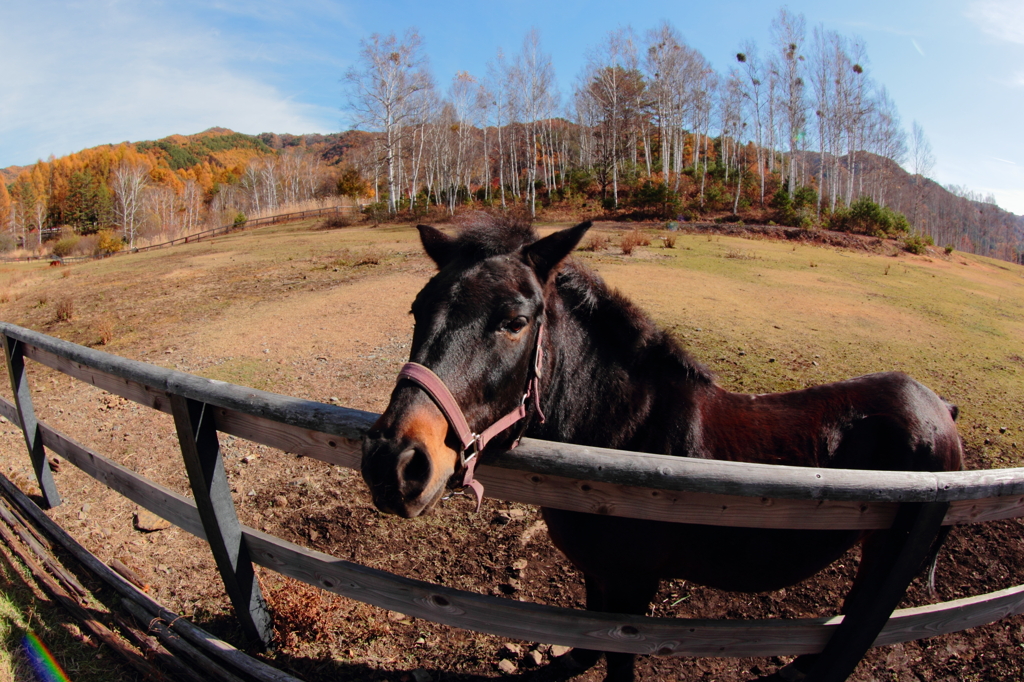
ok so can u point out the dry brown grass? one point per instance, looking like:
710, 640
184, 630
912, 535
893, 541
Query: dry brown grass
336, 221
739, 254
65, 309
302, 613
325, 339
633, 239
597, 242
105, 327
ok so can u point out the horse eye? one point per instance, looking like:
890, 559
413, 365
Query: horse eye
516, 325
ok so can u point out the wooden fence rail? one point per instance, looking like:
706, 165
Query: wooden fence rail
557, 475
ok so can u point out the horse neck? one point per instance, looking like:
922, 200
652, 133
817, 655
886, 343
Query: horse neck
612, 379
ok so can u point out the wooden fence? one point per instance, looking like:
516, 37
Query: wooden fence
550, 474
212, 232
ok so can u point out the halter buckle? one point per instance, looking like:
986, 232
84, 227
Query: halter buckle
473, 448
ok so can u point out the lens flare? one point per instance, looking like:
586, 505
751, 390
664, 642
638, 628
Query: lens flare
42, 660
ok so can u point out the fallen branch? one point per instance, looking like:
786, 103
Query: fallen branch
24, 532
217, 648
156, 651
175, 643
101, 631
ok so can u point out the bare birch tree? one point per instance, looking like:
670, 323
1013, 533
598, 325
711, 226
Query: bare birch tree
612, 80
752, 89
788, 34
380, 88
130, 181
538, 98
922, 160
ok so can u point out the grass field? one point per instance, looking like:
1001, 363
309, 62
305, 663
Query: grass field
764, 315
323, 315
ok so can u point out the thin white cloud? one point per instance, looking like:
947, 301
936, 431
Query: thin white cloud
1003, 19
917, 47
1012, 163
88, 73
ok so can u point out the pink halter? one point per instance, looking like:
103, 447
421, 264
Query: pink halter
474, 443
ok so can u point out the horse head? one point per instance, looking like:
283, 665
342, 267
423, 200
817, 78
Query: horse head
478, 328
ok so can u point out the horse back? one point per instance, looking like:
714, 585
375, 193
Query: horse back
886, 421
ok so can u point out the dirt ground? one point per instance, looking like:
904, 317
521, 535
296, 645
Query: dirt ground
324, 316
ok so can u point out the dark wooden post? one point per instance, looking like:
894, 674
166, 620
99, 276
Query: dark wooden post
29, 425
906, 546
197, 434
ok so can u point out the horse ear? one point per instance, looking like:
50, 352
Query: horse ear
439, 246
546, 254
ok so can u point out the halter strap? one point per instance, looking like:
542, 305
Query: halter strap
472, 442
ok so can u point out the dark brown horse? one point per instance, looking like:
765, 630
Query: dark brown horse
610, 378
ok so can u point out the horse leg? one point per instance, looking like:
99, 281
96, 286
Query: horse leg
870, 559
632, 595
879, 554
586, 658
892, 559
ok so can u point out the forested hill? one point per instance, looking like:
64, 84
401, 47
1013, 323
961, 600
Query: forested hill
218, 148
952, 215
165, 187
214, 175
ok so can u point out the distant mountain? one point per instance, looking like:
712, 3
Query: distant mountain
951, 219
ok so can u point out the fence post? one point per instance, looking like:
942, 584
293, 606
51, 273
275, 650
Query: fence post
905, 548
197, 434
15, 357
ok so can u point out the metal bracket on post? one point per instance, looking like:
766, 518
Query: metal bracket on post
29, 424
908, 544
197, 434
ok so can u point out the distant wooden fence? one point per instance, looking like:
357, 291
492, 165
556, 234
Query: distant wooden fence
557, 475
212, 232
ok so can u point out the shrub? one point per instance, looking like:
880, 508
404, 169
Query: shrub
804, 197
949, 249
655, 200
105, 328
917, 244
376, 211
597, 242
8, 242
631, 240
346, 258
866, 217
351, 184
783, 205
670, 241
336, 221
65, 246
239, 220
579, 181
108, 243
65, 309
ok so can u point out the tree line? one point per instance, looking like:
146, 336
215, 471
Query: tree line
162, 189
796, 131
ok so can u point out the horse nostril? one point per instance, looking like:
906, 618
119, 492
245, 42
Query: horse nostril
414, 467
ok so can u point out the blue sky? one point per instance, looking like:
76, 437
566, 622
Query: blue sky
87, 72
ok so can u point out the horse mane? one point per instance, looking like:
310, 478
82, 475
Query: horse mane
586, 295
483, 235
620, 321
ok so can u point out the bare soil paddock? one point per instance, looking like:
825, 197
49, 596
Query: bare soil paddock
323, 315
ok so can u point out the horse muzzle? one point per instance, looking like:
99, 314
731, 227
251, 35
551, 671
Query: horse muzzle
407, 469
